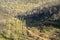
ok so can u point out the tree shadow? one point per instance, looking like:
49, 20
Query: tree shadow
54, 23
37, 16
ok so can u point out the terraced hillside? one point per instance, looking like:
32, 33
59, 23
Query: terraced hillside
25, 20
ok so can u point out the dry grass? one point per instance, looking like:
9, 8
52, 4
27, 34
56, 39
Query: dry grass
15, 29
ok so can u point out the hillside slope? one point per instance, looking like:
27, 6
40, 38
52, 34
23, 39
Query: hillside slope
13, 20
